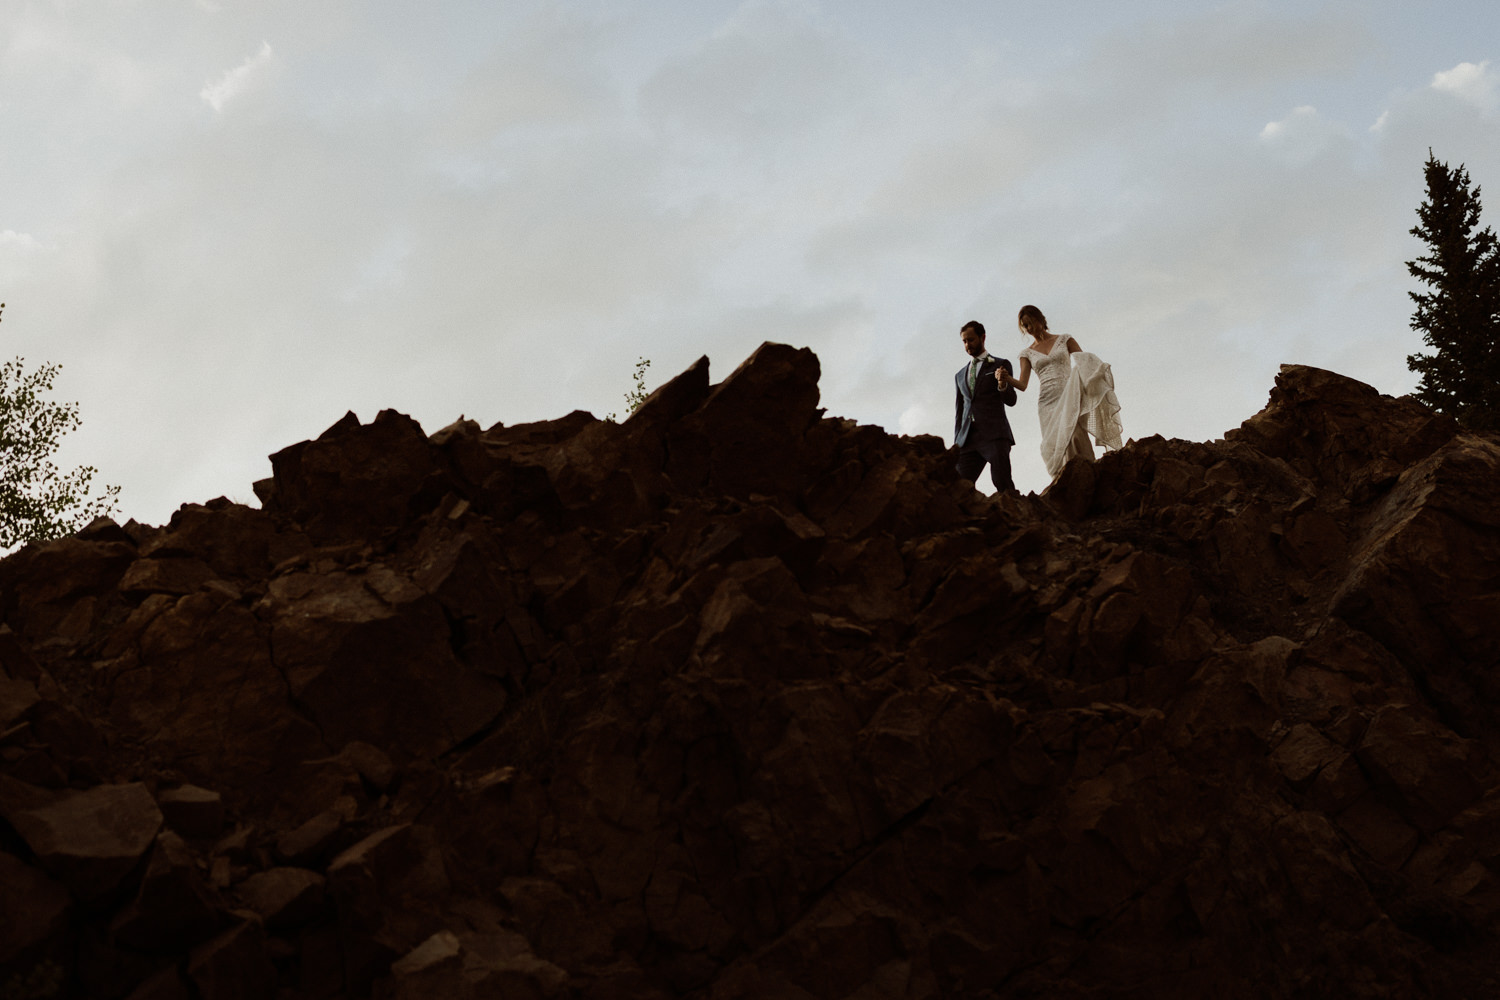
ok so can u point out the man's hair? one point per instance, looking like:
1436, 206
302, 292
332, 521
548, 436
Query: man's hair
972, 324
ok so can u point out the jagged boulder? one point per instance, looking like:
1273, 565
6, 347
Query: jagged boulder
89, 840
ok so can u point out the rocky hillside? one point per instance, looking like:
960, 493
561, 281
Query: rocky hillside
734, 700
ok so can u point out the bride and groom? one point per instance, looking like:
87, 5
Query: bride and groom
1075, 399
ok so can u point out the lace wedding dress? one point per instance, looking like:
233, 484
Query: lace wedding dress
1075, 399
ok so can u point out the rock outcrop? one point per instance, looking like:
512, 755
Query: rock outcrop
737, 700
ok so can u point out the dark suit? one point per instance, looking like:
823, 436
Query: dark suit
980, 428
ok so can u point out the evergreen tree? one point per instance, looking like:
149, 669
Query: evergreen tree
37, 501
1460, 316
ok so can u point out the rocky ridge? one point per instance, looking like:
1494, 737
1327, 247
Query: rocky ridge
737, 700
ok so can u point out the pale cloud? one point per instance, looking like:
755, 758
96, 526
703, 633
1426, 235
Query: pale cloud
916, 419
1275, 131
19, 253
547, 75
12, 240
1224, 50
1475, 83
770, 82
235, 82
1302, 135
38, 49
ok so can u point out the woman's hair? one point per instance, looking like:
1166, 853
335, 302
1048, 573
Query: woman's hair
1031, 316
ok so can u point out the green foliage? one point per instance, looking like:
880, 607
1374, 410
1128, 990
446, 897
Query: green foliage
635, 397
1460, 317
37, 501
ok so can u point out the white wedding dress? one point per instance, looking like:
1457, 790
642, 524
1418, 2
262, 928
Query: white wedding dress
1075, 399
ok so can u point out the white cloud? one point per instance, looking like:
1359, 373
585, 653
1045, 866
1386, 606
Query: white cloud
1277, 130
1224, 49
1476, 84
237, 80
770, 82
10, 239
915, 419
1302, 135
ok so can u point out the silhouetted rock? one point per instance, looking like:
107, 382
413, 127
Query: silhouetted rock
284, 897
174, 908
192, 811
733, 699
33, 916
234, 965
89, 840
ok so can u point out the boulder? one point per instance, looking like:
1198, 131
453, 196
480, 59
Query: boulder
52, 590
167, 984
164, 576
174, 908
284, 897
193, 812
234, 541
199, 685
313, 841
356, 480
1421, 579
234, 965
721, 445
89, 840
380, 886
33, 916
1430, 769
369, 657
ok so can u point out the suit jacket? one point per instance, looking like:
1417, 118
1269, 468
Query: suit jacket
981, 416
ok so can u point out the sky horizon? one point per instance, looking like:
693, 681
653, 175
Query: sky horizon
232, 222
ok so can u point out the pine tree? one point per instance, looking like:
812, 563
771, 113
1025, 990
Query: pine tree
1460, 317
37, 500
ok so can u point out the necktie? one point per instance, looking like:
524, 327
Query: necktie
973, 374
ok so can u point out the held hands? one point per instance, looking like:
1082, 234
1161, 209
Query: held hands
1002, 378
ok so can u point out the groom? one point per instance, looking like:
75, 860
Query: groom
980, 429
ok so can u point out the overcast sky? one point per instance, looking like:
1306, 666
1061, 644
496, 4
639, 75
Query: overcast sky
230, 221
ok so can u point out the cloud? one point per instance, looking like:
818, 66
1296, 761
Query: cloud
20, 253
1222, 51
768, 83
1275, 131
544, 75
915, 419
238, 80
1302, 135
10, 239
1476, 84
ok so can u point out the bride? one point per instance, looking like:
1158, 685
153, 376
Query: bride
1077, 394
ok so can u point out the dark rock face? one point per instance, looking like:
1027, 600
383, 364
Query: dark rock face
735, 700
